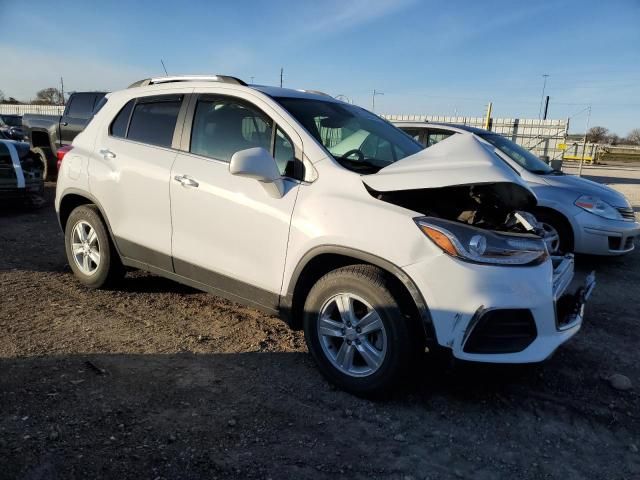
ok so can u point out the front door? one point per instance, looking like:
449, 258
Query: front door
228, 232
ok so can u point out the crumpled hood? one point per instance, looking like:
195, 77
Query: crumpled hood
457, 160
582, 186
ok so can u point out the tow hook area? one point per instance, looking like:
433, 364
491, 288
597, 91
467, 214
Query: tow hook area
570, 307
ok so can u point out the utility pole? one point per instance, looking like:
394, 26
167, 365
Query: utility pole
544, 85
62, 89
584, 145
546, 108
373, 99
281, 72
252, 79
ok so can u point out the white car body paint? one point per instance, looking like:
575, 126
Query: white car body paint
231, 226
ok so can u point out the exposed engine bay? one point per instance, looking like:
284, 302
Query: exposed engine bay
495, 206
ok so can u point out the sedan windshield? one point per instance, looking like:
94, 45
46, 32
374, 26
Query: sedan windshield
356, 138
520, 155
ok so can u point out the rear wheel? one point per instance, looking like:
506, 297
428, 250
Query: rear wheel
45, 156
90, 253
356, 332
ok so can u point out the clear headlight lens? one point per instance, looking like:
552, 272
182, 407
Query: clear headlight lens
482, 246
598, 207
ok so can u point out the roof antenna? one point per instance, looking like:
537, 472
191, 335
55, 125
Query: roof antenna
165, 68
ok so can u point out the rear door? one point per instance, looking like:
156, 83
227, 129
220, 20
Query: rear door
130, 173
76, 116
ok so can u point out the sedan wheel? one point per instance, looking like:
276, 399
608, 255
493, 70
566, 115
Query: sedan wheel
551, 237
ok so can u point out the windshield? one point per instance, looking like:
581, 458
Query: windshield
357, 139
12, 121
520, 155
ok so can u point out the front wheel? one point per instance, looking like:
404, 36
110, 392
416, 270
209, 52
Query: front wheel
558, 235
356, 332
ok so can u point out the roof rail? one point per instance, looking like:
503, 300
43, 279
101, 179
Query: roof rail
188, 78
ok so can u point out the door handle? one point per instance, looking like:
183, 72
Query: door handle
64, 124
186, 181
107, 154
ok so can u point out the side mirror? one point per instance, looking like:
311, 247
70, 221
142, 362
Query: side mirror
257, 163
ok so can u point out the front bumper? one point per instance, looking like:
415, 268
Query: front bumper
501, 314
601, 236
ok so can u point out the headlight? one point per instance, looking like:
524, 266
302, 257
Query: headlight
598, 207
482, 246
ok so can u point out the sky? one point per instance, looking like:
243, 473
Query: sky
427, 57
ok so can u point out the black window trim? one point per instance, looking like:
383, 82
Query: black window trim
184, 143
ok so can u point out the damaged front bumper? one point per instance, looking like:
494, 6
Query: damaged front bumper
502, 314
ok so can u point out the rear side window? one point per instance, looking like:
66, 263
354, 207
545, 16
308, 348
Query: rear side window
120, 123
81, 105
154, 121
435, 136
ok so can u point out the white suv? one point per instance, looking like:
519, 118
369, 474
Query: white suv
319, 211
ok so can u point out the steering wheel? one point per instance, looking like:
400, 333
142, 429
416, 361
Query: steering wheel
356, 151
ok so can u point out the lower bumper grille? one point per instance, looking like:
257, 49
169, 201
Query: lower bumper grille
502, 331
616, 243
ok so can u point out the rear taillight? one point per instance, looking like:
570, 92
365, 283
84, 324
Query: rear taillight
62, 151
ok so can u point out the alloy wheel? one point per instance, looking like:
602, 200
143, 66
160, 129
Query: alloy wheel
352, 335
85, 247
551, 237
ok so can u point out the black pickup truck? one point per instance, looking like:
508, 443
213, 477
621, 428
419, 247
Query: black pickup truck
47, 133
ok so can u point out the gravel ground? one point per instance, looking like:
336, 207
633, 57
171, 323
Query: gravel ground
156, 380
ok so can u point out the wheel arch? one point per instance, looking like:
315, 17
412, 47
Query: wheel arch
323, 259
71, 199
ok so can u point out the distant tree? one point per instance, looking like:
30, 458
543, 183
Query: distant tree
614, 139
12, 100
634, 137
49, 96
597, 135
1, 96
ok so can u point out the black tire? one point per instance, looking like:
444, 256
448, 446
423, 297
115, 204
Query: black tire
561, 225
374, 286
109, 269
46, 158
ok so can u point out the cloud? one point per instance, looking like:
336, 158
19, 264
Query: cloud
338, 15
25, 71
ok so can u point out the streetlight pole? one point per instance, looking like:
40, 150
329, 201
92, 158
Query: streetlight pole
544, 85
584, 146
373, 99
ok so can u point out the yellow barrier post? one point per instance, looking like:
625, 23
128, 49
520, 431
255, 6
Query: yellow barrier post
487, 121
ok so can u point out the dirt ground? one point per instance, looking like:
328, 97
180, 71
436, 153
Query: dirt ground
156, 380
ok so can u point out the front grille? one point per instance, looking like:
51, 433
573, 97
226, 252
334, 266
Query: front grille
502, 331
627, 213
